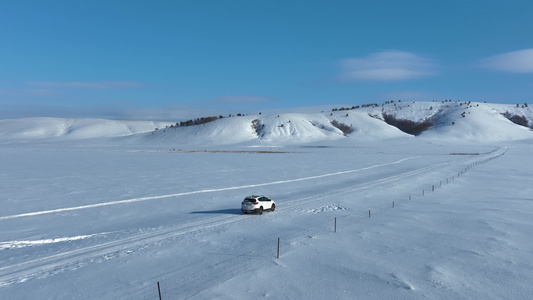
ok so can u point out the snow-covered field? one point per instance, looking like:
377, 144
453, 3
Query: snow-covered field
108, 216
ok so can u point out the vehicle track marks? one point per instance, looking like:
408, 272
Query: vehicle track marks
133, 200
56, 263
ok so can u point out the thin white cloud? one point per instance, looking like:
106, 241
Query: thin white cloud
236, 99
101, 85
513, 62
25, 92
165, 113
387, 66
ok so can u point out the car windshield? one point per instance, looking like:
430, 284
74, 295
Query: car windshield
250, 200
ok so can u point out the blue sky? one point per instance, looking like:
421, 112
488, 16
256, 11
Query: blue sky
169, 60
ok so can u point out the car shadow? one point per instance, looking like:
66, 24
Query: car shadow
230, 211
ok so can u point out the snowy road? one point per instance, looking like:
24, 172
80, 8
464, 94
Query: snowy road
117, 202
105, 246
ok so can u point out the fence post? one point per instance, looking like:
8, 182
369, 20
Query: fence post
369, 213
422, 192
409, 197
335, 230
159, 290
433, 188
392, 204
278, 249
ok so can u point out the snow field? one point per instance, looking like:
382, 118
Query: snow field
468, 240
87, 215
187, 221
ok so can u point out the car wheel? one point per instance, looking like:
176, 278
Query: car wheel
260, 210
273, 207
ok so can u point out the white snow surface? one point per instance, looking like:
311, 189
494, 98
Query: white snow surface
42, 128
480, 122
109, 209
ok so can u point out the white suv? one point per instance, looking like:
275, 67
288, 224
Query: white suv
257, 204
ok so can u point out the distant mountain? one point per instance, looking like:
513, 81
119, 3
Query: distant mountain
466, 121
48, 128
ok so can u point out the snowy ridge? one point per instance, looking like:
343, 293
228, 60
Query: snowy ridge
46, 128
482, 122
452, 121
464, 120
104, 221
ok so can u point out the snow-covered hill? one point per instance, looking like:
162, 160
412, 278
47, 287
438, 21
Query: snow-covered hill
101, 209
451, 121
465, 120
290, 128
43, 128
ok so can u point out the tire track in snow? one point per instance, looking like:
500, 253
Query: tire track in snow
48, 266
365, 185
57, 263
22, 244
133, 200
